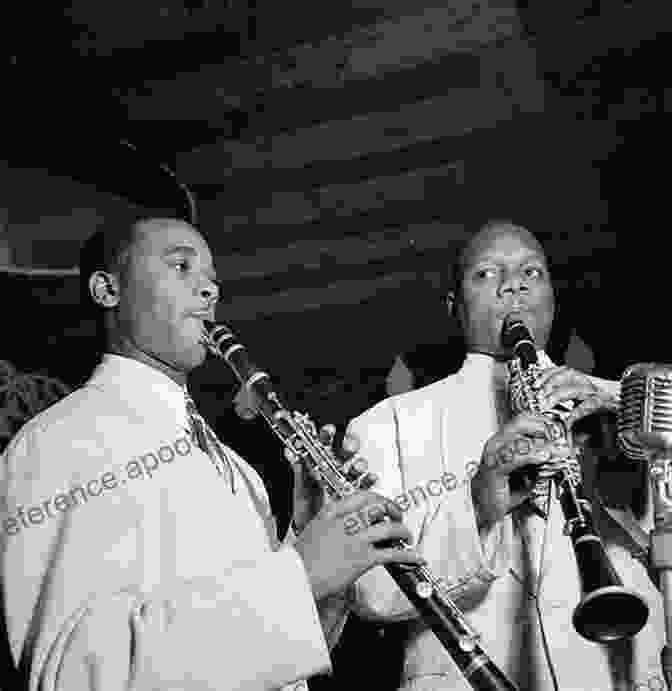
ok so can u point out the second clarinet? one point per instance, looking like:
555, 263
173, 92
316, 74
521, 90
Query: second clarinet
299, 435
607, 611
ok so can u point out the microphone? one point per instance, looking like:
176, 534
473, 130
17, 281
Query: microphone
645, 414
645, 434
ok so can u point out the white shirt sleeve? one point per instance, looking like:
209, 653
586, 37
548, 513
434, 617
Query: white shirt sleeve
333, 610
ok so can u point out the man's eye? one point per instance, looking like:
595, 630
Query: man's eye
534, 272
484, 274
182, 266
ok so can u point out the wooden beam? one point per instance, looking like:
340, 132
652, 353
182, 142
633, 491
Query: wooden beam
391, 45
460, 112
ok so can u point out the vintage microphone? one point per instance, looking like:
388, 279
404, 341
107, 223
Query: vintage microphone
645, 434
607, 611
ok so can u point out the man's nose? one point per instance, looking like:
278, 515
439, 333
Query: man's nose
512, 282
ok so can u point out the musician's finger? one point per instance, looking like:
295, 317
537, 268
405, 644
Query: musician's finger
391, 555
576, 392
555, 432
537, 429
507, 444
291, 456
327, 434
356, 466
525, 424
509, 458
550, 469
592, 404
386, 530
538, 458
541, 379
363, 502
350, 444
367, 481
306, 481
565, 384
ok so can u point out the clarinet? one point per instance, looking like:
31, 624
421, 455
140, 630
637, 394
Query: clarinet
299, 435
607, 611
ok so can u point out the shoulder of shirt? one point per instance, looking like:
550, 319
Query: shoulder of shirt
72, 417
430, 396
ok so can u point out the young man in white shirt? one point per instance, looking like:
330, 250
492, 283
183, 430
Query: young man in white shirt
133, 559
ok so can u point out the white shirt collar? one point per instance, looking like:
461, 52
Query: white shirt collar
486, 366
482, 358
141, 386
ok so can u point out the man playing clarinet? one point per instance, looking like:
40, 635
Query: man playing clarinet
503, 557
138, 551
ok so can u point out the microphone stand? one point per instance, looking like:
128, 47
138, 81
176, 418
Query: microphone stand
660, 467
645, 434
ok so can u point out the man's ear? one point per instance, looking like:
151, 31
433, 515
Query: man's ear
104, 289
450, 302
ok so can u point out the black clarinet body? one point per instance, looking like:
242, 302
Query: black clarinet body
424, 590
607, 611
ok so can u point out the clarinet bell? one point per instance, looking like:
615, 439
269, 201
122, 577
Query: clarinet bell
608, 611
610, 614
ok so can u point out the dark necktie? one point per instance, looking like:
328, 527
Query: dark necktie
206, 440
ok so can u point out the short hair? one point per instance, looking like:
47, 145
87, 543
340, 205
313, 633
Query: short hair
107, 249
457, 266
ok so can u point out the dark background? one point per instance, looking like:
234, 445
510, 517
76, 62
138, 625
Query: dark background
583, 172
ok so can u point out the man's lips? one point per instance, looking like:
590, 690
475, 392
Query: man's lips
512, 313
203, 315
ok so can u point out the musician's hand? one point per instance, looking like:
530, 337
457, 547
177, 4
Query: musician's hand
524, 441
309, 497
558, 384
337, 546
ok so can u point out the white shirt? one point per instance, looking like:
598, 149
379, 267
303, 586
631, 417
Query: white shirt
152, 574
424, 446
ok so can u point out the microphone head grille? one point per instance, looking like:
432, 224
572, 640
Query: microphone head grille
645, 414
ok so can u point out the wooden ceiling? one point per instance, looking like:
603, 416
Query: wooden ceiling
339, 151
177, 75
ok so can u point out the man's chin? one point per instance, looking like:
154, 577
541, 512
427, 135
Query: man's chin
192, 357
198, 354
